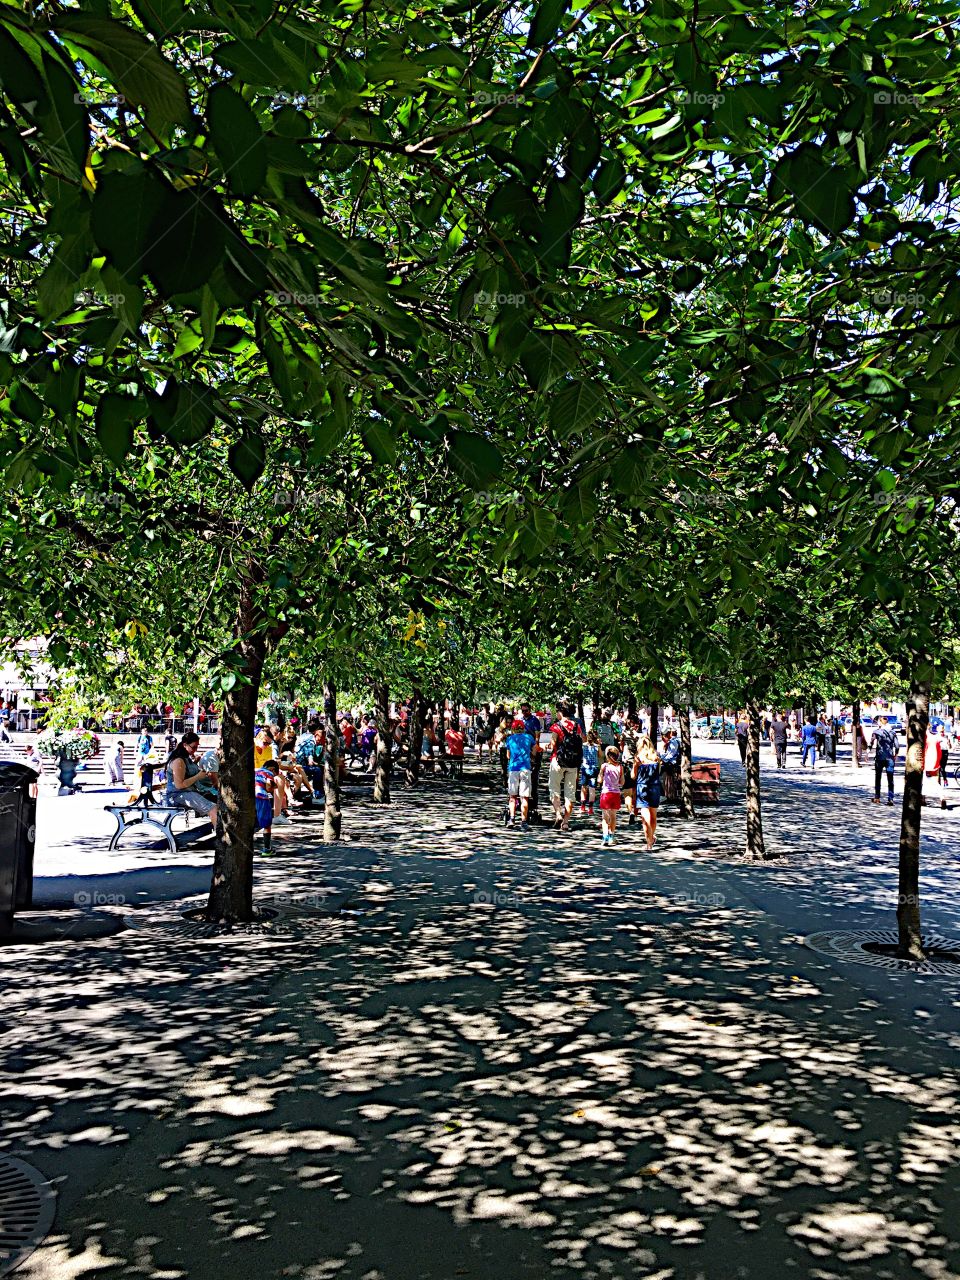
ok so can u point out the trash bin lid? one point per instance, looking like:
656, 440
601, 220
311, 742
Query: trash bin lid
15, 774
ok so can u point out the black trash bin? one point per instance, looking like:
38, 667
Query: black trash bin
18, 819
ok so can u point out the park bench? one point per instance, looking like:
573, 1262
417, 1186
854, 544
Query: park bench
161, 817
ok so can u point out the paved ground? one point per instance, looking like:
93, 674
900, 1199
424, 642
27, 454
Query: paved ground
481, 1054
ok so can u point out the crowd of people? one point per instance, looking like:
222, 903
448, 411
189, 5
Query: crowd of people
615, 769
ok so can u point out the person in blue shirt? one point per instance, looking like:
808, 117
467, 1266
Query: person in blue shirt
886, 747
519, 747
588, 772
533, 726
808, 743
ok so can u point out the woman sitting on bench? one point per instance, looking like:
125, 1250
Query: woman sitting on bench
183, 774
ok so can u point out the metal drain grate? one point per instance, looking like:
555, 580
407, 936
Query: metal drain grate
943, 958
27, 1206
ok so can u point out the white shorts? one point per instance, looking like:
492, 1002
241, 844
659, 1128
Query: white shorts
519, 784
563, 783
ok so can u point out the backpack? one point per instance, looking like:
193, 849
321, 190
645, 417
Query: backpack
570, 750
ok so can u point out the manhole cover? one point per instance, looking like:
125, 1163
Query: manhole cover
877, 947
27, 1205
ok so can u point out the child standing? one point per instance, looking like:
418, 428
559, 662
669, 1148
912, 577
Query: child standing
588, 772
264, 782
649, 787
611, 789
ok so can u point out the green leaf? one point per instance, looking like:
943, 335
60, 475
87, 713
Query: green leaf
126, 207
57, 287
264, 62
575, 407
135, 65
547, 15
475, 459
64, 124
186, 243
378, 438
184, 412
609, 180
18, 74
237, 139
821, 192
115, 418
686, 278
247, 459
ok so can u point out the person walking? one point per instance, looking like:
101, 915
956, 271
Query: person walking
629, 740
566, 757
886, 748
113, 764
589, 770
808, 743
519, 750
944, 737
649, 788
821, 727
611, 792
534, 727
778, 739
743, 736
829, 742
932, 754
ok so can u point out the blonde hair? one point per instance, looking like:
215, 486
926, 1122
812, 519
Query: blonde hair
646, 751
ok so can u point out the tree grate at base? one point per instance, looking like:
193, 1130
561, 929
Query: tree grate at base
877, 947
27, 1207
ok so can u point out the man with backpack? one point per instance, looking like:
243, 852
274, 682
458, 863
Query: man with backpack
566, 757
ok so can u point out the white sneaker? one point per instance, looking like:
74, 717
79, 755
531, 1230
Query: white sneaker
281, 820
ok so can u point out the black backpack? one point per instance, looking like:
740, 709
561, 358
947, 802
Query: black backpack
570, 750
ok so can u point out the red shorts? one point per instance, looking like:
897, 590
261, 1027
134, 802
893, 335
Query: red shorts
611, 800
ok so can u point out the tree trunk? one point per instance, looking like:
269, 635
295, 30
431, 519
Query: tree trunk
415, 739
855, 727
654, 722
755, 848
332, 815
231, 888
580, 711
381, 775
908, 898
631, 705
686, 763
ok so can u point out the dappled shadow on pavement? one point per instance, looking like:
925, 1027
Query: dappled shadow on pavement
526, 1057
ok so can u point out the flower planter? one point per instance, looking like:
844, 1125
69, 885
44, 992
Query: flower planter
68, 771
